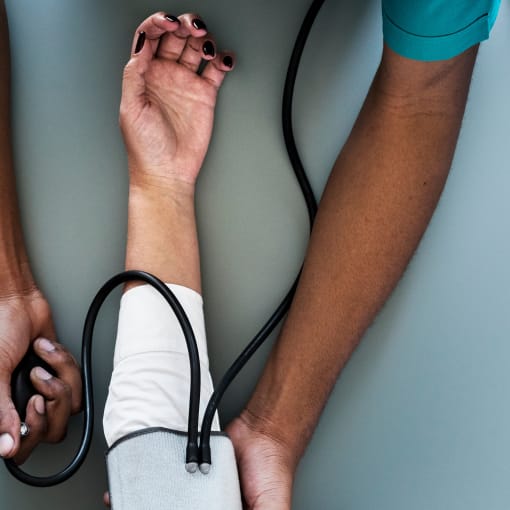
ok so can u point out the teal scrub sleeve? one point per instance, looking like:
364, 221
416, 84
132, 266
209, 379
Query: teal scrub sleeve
436, 29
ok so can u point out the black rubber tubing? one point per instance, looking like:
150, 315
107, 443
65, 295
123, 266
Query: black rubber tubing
88, 393
311, 204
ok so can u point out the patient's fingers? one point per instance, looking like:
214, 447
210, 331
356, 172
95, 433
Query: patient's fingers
154, 27
184, 40
196, 50
216, 69
133, 83
172, 44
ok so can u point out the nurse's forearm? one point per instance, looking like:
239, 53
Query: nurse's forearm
379, 199
15, 274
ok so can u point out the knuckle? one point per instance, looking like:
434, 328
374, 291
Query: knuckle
76, 401
155, 18
64, 357
76, 406
66, 391
38, 430
58, 389
61, 358
128, 69
56, 436
43, 312
7, 415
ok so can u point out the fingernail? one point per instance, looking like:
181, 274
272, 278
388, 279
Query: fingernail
40, 373
199, 24
6, 444
228, 61
46, 345
171, 18
39, 404
208, 49
140, 42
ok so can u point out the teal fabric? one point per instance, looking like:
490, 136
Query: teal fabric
436, 29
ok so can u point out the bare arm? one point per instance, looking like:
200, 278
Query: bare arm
13, 258
379, 199
166, 118
24, 313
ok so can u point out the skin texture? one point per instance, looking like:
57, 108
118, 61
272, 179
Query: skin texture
166, 118
381, 194
376, 206
379, 199
25, 315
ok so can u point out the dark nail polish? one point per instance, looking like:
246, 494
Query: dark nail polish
171, 18
199, 24
228, 61
140, 42
208, 49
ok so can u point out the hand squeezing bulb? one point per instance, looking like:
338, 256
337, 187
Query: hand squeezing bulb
22, 388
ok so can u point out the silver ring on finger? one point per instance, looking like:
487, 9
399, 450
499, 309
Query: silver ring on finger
24, 429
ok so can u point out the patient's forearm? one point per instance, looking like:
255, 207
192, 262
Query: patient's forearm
162, 237
150, 381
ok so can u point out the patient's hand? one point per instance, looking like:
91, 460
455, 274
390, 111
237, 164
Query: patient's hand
167, 108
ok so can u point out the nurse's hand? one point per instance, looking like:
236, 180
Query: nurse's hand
266, 467
167, 107
25, 318
266, 470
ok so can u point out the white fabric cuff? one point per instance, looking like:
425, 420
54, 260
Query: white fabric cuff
151, 374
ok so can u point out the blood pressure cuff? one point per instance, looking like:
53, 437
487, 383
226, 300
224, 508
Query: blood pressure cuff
151, 376
436, 29
146, 471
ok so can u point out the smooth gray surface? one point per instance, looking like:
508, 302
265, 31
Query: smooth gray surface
419, 418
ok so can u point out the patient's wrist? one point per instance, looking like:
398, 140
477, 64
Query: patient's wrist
162, 235
154, 181
159, 207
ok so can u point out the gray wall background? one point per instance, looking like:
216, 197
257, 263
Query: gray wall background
420, 417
